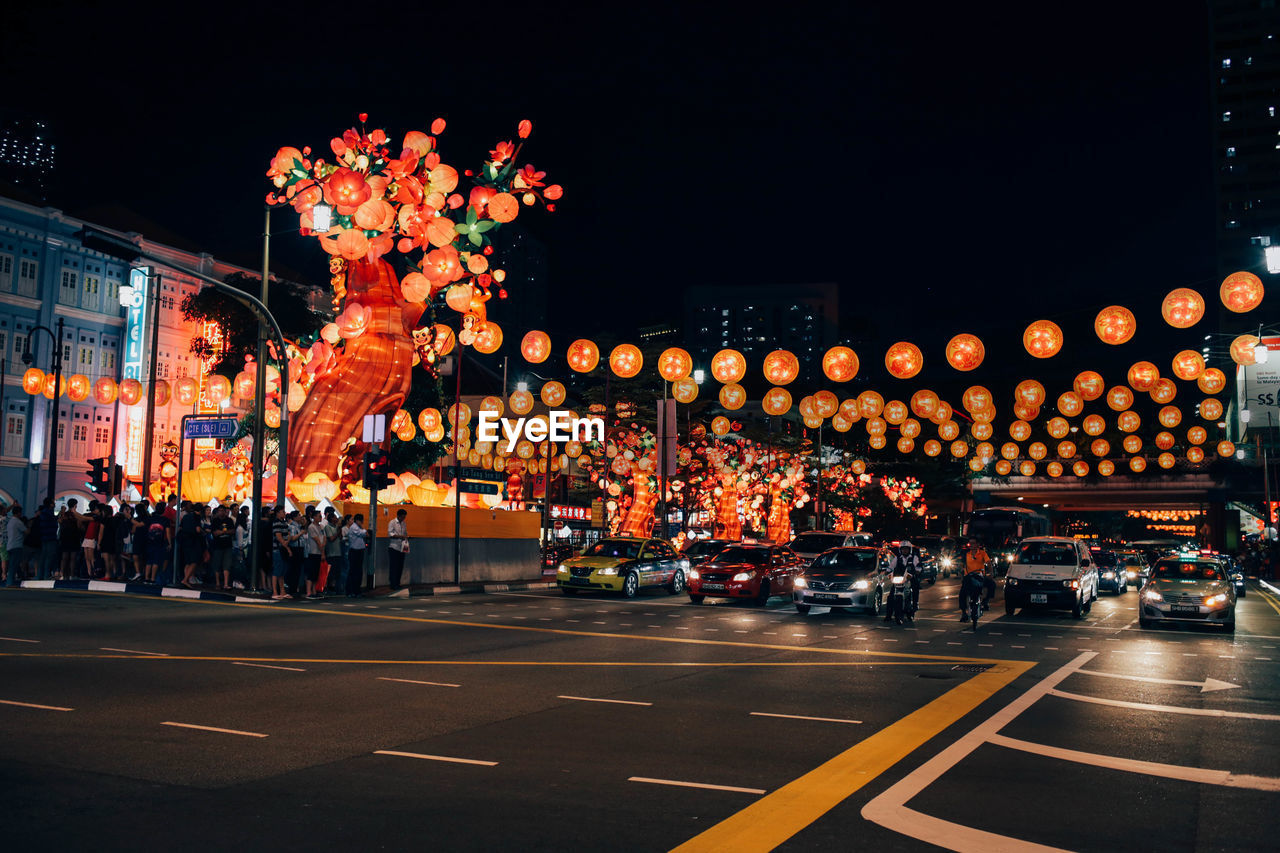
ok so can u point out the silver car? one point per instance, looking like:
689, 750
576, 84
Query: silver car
1188, 589
841, 577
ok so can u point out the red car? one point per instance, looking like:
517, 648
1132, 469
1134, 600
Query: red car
754, 572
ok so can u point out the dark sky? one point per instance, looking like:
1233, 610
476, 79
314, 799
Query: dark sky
958, 166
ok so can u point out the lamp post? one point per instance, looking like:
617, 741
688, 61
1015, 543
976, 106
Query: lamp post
57, 389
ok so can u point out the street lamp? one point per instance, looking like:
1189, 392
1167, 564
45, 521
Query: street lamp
57, 394
1272, 255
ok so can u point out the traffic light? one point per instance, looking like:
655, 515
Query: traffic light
115, 480
97, 474
377, 470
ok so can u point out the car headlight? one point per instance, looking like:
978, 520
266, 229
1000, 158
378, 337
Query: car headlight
1072, 584
1008, 558
1010, 581
800, 582
1152, 595
693, 575
562, 569
862, 584
744, 576
1108, 574
609, 570
1215, 600
946, 562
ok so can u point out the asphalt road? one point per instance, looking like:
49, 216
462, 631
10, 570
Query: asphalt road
533, 721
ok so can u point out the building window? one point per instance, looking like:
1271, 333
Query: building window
91, 285
66, 353
102, 436
86, 357
28, 270
19, 343
1231, 152
6, 272
108, 363
68, 284
62, 431
15, 427
113, 290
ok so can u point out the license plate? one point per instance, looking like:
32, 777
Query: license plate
713, 586
580, 581
825, 596
1184, 608
1039, 598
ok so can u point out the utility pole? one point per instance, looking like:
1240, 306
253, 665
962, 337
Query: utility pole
57, 402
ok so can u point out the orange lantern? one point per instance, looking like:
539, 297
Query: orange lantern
1197, 435
870, 404
535, 346
1058, 427
976, 464
976, 398
399, 420
895, 412
130, 392
811, 421
965, 351
932, 447
1182, 308
1106, 467
877, 442
1164, 390
1053, 469
924, 403
78, 388
492, 405
272, 417
840, 364
1080, 468
1212, 381
1089, 385
781, 367
1137, 464
1241, 292
1027, 468
1003, 467
1242, 350
1195, 455
728, 366
1188, 364
1043, 339
1093, 425
733, 396
104, 391
674, 363
805, 407
1037, 451
1009, 450
1164, 440
959, 449
1143, 375
684, 390
1131, 444
488, 339
626, 360
429, 419
459, 413
826, 404
1070, 404
1019, 430
186, 390
1066, 449
160, 390
1129, 421
982, 430
876, 426
720, 425
521, 403
1115, 324
1029, 393
552, 394
584, 355
948, 430
1165, 460
1119, 398
33, 380
943, 412
910, 428
776, 401
984, 450
906, 445
1169, 416
1100, 447
903, 360
841, 423
218, 388
984, 416
1025, 413
443, 342
1210, 409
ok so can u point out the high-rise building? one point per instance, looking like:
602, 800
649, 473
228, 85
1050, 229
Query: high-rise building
1245, 60
27, 156
802, 318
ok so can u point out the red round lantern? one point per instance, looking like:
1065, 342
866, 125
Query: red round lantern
1241, 292
1029, 393
674, 363
1119, 398
488, 339
1137, 464
1129, 421
903, 360
1242, 349
1027, 468
1094, 425
1210, 409
1169, 416
535, 347
733, 396
932, 447
552, 394
1165, 460
33, 380
1164, 390
876, 426
982, 430
130, 392
1182, 308
1070, 404
948, 430
104, 391
1197, 435
1212, 381
78, 387
895, 412
924, 403
1115, 324
684, 390
583, 356
1080, 468
1066, 449
1009, 450
1019, 430
1188, 365
728, 366
626, 360
160, 390
977, 398
1053, 469
840, 364
1195, 455
1058, 427
776, 401
825, 404
1131, 444
870, 404
1089, 384
1143, 375
1100, 447
1043, 339
965, 351
186, 390
781, 367
1106, 467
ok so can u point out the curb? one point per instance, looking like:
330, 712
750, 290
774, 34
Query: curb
154, 591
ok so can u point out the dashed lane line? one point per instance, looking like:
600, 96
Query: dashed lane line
425, 757
33, 705
411, 681
609, 701
17, 640
213, 729
704, 785
267, 666
133, 652
797, 717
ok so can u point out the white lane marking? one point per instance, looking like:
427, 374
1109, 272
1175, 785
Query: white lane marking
1167, 709
435, 757
1150, 768
816, 719
213, 729
610, 701
695, 785
411, 681
268, 666
889, 809
31, 705
17, 640
1206, 686
134, 652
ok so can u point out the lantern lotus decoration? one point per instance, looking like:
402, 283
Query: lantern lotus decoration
1115, 325
839, 364
1182, 308
965, 352
1241, 292
208, 481
1043, 339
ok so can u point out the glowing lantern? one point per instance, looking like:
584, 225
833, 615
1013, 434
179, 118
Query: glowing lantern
130, 392
1089, 385
895, 411
1241, 292
728, 366
877, 442
1143, 375
1119, 398
982, 430
805, 407
205, 483
459, 413
1182, 308
626, 360
906, 445
781, 367
1019, 430
948, 430
1053, 469
1029, 393
976, 398
1070, 404
1037, 451
1100, 447
535, 346
984, 450
1169, 416
841, 423
33, 380
1242, 350
160, 390
1129, 421
1197, 435
407, 432
910, 428
1164, 440
457, 297
932, 447
903, 360
720, 425
1027, 468
488, 339
870, 404
776, 401
521, 403
1009, 450
492, 405
1003, 467
584, 355
876, 426
429, 419
1210, 409
272, 417
1165, 460
443, 342
924, 403
398, 420
826, 404
1212, 381
1058, 427
984, 416
684, 390
965, 351
552, 394
294, 401
733, 396
1131, 444
104, 391
959, 449
1080, 468
1093, 425
1115, 325
218, 388
1043, 339
976, 464
840, 364
1164, 390
1066, 449
857, 466
437, 435
943, 412
1137, 464
1195, 455
78, 388
186, 390
1188, 364
1106, 467
674, 363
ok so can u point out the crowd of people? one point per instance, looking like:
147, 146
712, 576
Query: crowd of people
301, 554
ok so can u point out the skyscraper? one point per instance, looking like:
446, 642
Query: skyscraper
802, 318
27, 156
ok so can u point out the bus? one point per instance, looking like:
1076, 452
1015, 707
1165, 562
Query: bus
999, 529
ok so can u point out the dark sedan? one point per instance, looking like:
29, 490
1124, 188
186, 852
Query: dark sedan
699, 551
1112, 574
754, 572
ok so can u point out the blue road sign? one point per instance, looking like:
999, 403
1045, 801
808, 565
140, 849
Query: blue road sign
210, 428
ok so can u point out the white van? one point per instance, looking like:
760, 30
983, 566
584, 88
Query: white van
1051, 571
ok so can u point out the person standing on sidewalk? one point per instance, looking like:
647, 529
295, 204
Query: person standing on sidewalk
48, 525
281, 553
315, 542
222, 530
397, 547
356, 545
333, 552
15, 534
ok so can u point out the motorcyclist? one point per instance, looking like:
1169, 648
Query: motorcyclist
907, 562
975, 563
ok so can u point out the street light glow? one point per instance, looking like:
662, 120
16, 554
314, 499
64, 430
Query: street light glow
321, 217
1272, 254
1260, 353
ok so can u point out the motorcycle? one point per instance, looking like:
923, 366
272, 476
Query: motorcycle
975, 589
899, 607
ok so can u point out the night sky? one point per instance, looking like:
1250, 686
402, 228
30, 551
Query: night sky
958, 168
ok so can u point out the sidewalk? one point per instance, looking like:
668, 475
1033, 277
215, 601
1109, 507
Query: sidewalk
155, 591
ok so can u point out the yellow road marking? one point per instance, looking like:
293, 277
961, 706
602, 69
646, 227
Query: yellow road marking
71, 656
1269, 600
776, 817
276, 608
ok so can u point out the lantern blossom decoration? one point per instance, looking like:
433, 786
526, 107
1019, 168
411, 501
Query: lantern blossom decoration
1115, 325
903, 360
839, 364
1241, 292
1043, 339
1182, 308
965, 352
